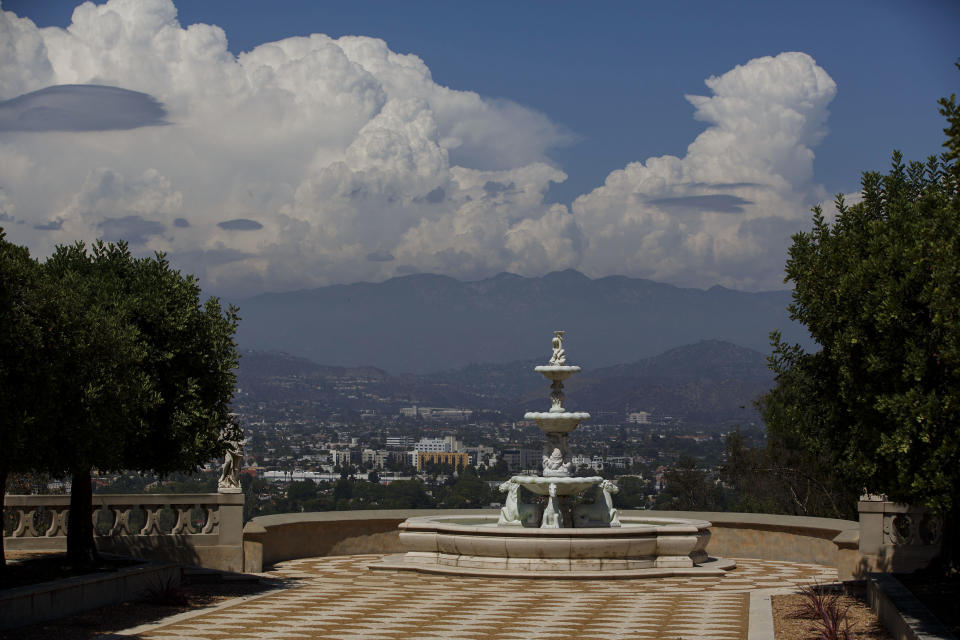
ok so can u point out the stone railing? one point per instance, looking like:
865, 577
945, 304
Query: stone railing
203, 529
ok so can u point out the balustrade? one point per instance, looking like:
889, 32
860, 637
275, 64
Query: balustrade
115, 515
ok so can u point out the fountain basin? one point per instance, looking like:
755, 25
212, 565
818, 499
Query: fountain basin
557, 371
476, 546
565, 486
556, 422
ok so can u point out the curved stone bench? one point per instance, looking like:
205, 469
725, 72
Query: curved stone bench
826, 541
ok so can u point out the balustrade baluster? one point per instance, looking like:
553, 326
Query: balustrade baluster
25, 528
58, 522
121, 520
213, 520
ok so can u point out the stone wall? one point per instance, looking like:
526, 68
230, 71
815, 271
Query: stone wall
270, 539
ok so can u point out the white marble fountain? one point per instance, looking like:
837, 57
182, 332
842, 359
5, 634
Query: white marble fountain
574, 531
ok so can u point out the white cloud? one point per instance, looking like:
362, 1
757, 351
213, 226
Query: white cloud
314, 160
724, 212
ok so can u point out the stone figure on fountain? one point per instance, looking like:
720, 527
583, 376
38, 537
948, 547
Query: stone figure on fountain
229, 481
552, 518
559, 357
600, 512
514, 512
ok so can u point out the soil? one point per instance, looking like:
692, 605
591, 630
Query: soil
790, 624
939, 593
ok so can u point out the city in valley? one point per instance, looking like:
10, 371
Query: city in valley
332, 438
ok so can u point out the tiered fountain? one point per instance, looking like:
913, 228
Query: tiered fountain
575, 532
556, 480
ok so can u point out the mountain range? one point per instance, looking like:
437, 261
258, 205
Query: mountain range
709, 382
428, 323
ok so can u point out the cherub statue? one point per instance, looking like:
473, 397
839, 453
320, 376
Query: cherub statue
229, 481
553, 462
559, 356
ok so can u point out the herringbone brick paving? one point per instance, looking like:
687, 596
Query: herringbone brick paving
338, 598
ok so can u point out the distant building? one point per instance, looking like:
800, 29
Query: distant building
638, 417
399, 442
340, 457
376, 458
521, 458
618, 462
457, 460
446, 444
436, 413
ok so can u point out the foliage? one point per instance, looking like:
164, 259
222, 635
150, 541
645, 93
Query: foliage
688, 487
633, 493
780, 478
830, 617
20, 367
878, 288
879, 291
141, 372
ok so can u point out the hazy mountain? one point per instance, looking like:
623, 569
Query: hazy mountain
707, 382
424, 323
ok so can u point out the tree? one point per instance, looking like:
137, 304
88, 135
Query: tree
20, 369
142, 372
782, 478
688, 487
878, 406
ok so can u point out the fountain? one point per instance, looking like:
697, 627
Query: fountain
575, 532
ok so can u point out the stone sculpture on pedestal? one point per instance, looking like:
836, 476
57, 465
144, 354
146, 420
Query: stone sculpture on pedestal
229, 481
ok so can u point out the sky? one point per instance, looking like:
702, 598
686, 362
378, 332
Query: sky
294, 144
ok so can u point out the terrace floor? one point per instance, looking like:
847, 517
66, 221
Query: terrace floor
338, 597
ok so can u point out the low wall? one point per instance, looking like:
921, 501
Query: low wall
214, 542
270, 539
286, 536
51, 600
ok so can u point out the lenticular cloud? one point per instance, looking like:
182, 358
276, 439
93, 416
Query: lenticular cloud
313, 160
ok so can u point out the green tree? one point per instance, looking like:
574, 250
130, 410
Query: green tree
142, 372
468, 491
688, 487
878, 405
20, 368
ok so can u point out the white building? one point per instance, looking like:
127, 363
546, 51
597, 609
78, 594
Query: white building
446, 444
339, 457
638, 417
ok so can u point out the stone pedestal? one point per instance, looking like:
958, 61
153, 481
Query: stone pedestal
897, 538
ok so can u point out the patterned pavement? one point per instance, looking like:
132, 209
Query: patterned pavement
339, 598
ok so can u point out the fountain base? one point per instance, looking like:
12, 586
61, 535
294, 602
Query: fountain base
650, 547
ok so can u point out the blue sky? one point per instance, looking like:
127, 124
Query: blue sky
603, 86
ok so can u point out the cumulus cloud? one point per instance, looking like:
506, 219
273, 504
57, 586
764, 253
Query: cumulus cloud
313, 160
663, 218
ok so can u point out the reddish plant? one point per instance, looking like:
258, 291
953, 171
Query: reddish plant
823, 605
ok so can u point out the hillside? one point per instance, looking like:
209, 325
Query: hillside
707, 382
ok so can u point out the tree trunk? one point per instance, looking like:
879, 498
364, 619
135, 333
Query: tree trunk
3, 513
81, 548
